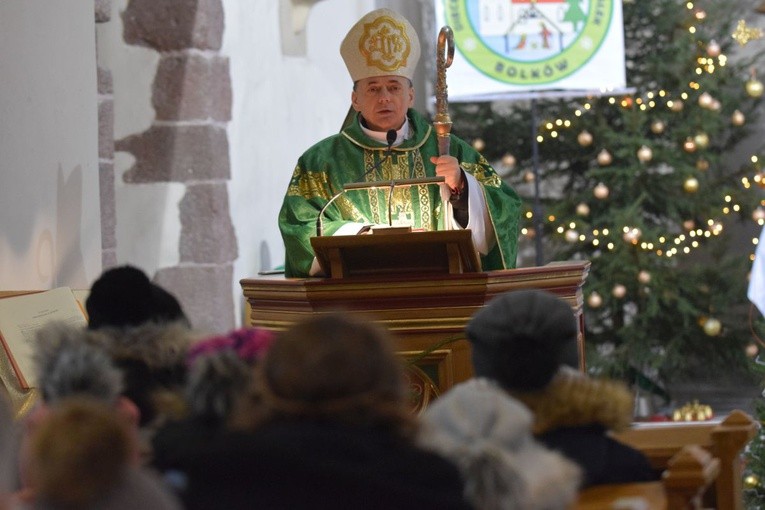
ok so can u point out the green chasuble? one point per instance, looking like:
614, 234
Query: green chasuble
345, 157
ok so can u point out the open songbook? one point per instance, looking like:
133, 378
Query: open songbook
21, 316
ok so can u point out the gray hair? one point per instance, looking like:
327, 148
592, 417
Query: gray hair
68, 364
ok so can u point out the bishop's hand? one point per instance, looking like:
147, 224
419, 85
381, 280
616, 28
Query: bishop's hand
448, 167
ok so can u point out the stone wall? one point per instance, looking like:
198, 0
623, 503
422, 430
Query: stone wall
186, 143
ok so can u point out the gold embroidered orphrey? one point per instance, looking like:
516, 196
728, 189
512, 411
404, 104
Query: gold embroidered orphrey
385, 44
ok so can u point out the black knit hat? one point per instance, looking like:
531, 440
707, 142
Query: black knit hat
521, 338
124, 297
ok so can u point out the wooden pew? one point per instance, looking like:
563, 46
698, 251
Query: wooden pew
724, 439
688, 475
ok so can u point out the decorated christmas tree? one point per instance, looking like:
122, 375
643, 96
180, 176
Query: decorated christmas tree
650, 186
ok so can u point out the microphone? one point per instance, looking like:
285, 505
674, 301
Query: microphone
390, 137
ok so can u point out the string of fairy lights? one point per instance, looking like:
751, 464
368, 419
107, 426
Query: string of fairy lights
667, 244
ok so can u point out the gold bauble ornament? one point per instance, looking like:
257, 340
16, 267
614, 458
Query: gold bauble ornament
702, 165
677, 105
632, 235
754, 87
528, 176
600, 191
737, 118
619, 291
701, 140
584, 138
759, 178
571, 236
657, 127
508, 160
594, 300
604, 158
479, 144
689, 225
713, 49
582, 209
689, 145
705, 100
644, 154
758, 214
716, 105
531, 233
712, 326
752, 350
644, 277
691, 185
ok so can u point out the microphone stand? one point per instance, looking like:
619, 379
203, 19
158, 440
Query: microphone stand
392, 184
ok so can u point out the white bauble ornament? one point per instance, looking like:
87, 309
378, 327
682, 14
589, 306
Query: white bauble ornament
644, 154
600, 191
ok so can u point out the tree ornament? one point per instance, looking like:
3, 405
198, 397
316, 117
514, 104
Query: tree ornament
571, 236
700, 14
743, 34
705, 100
759, 178
657, 127
677, 105
737, 118
619, 291
528, 176
479, 144
584, 138
644, 277
531, 233
752, 350
594, 300
701, 140
712, 326
716, 105
582, 209
691, 185
758, 214
644, 154
713, 49
754, 87
689, 145
702, 165
508, 160
604, 158
632, 235
600, 191
689, 225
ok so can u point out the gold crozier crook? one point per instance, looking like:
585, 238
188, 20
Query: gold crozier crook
444, 57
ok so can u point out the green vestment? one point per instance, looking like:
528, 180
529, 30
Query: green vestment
347, 156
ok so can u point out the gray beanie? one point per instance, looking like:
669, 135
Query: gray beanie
521, 338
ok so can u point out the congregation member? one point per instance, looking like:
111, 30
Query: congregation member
488, 435
147, 335
221, 370
329, 427
523, 340
385, 139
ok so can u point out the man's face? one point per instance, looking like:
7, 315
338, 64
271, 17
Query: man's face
383, 101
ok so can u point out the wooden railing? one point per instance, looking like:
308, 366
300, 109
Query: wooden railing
701, 462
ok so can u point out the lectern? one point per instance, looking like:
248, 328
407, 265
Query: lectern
422, 310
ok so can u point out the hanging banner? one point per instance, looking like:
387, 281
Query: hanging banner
512, 47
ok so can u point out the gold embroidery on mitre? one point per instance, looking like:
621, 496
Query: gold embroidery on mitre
385, 44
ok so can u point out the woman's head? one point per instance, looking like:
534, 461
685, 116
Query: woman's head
338, 368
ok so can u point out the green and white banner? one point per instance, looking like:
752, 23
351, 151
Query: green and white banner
509, 47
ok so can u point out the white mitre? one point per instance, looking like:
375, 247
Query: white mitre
382, 43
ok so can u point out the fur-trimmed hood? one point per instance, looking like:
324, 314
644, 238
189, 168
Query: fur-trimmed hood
575, 399
156, 345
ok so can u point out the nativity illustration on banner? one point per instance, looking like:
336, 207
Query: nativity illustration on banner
507, 47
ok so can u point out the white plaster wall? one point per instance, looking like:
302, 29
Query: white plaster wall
281, 106
50, 232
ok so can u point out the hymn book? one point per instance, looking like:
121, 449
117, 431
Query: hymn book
22, 316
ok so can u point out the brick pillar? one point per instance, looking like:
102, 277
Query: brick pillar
188, 143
